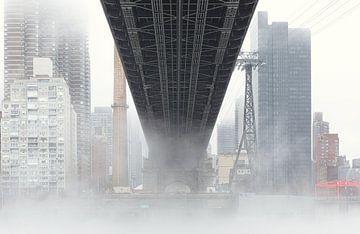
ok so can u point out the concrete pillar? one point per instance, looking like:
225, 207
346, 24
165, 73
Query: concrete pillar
120, 152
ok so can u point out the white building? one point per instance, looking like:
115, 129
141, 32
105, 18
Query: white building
38, 135
38, 28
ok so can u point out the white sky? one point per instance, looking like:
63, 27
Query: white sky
335, 65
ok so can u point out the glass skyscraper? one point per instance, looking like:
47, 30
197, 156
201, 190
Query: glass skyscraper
283, 105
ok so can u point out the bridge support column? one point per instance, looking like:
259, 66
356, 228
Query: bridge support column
120, 176
176, 166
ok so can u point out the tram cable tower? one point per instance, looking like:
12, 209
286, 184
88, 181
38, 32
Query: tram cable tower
247, 61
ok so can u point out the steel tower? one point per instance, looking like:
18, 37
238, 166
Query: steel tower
248, 61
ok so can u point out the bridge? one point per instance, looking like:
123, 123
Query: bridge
178, 57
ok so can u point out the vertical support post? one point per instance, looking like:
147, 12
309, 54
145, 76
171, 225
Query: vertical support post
249, 116
248, 62
120, 157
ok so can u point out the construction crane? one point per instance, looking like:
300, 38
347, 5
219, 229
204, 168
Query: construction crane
247, 61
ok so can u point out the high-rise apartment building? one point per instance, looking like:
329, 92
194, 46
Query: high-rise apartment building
73, 64
326, 155
38, 130
283, 105
29, 31
102, 126
37, 28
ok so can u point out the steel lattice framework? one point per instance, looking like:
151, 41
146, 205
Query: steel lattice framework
248, 61
178, 56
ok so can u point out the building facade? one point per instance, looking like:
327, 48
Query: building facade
356, 163
102, 126
226, 137
136, 161
37, 28
224, 168
38, 130
99, 175
319, 127
283, 105
326, 156
73, 63
29, 31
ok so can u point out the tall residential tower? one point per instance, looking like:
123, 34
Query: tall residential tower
37, 28
38, 130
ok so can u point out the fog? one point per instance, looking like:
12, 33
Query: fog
278, 215
253, 214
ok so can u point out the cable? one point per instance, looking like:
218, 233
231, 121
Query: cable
319, 13
302, 12
290, 16
331, 13
351, 10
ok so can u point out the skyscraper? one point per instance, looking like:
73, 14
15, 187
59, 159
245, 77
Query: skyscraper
226, 137
37, 28
29, 31
283, 105
73, 63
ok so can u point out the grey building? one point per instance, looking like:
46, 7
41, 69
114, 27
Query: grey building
226, 137
102, 126
283, 105
239, 122
356, 163
36, 28
319, 127
73, 63
136, 151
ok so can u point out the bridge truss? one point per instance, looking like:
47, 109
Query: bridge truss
178, 56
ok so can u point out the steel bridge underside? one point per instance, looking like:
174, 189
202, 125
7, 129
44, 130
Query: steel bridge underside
178, 57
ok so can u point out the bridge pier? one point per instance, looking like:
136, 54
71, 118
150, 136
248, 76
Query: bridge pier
177, 166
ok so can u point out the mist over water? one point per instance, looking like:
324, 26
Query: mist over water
280, 215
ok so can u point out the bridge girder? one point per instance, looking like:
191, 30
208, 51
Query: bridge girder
178, 57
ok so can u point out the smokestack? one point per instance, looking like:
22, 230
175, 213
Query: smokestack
120, 157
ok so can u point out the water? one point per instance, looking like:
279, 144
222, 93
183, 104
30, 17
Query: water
256, 215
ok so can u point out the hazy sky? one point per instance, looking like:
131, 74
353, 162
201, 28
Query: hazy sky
335, 65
